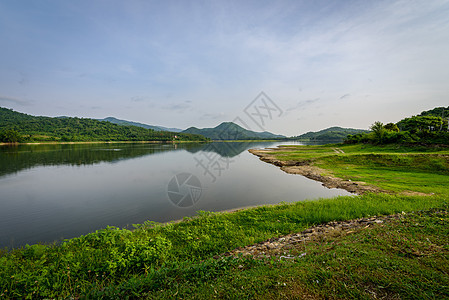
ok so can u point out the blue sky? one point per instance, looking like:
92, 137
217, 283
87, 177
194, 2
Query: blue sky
199, 63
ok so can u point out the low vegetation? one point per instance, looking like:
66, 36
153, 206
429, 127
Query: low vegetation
407, 258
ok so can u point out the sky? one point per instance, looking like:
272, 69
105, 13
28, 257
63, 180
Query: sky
287, 67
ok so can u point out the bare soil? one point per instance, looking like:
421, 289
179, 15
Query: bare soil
283, 247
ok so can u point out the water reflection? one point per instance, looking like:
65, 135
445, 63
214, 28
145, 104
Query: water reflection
229, 149
14, 158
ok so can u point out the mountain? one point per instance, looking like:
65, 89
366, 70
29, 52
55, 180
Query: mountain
232, 131
129, 123
329, 134
20, 127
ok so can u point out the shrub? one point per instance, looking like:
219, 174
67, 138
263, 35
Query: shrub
10, 136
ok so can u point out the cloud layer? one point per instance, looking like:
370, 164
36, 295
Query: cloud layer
183, 64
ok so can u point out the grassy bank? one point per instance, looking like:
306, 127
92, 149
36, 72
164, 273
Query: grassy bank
407, 258
391, 167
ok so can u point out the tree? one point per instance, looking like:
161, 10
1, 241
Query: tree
10, 136
391, 127
423, 124
378, 130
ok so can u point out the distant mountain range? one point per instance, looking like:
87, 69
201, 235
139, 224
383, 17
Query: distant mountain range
329, 134
28, 128
129, 123
76, 129
224, 131
232, 131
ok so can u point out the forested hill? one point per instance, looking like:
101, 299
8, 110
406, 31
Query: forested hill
232, 131
442, 112
330, 134
20, 127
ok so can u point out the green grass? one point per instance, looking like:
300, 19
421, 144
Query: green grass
404, 259
306, 152
392, 167
120, 261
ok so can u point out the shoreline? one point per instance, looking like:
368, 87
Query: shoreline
131, 142
306, 169
102, 142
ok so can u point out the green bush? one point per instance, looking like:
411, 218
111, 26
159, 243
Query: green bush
10, 136
401, 137
360, 138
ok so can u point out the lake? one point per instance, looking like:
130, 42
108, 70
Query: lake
52, 192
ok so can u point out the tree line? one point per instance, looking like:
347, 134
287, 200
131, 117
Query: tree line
430, 127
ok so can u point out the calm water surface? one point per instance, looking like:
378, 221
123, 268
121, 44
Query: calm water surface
51, 192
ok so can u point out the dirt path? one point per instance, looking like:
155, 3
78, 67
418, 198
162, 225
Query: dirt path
306, 169
281, 247
293, 246
338, 150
